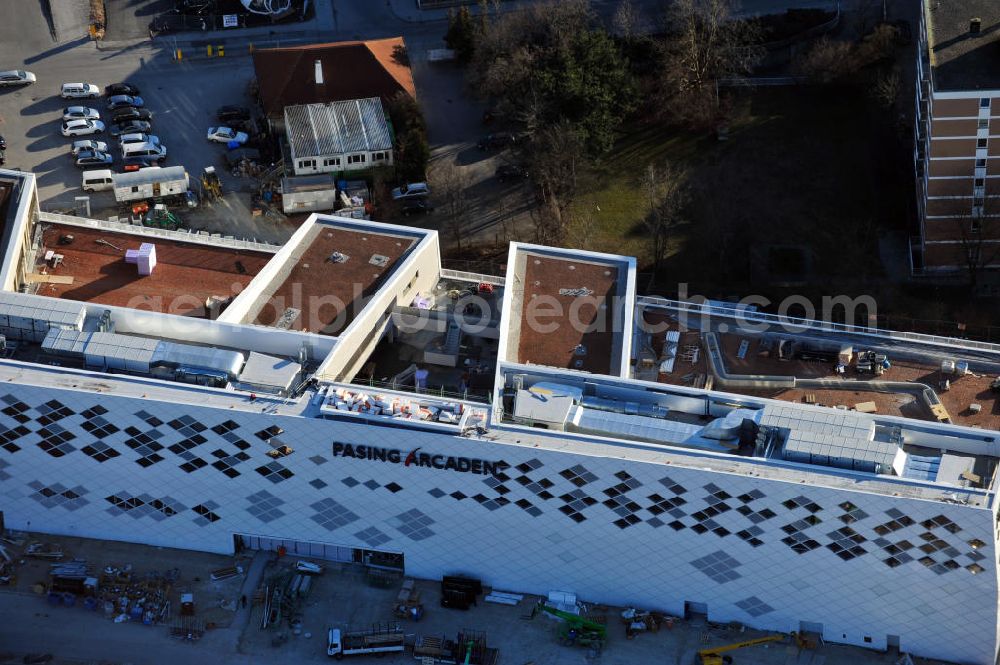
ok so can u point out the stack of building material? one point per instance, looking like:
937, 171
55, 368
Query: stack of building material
144, 257
394, 406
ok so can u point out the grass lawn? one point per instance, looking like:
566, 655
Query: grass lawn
816, 171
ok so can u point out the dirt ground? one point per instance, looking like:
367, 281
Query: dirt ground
342, 596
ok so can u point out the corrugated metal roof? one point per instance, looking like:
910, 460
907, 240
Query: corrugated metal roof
316, 130
149, 175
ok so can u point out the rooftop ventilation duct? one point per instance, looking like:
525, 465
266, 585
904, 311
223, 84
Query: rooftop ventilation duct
975, 26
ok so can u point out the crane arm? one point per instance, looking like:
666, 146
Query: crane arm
739, 645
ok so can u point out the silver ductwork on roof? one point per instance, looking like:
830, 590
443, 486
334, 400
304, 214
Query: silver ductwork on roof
109, 350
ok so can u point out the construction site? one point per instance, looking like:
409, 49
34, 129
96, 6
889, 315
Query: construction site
840, 372
195, 601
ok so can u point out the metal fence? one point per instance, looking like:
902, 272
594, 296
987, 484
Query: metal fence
695, 309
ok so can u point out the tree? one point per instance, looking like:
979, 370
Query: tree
550, 64
555, 158
412, 154
704, 43
625, 20
461, 35
886, 88
828, 61
666, 195
452, 184
976, 253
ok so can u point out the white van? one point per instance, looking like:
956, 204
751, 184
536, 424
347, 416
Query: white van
98, 181
150, 150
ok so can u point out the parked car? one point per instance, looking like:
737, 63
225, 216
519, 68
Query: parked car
139, 137
82, 127
155, 152
79, 91
121, 89
136, 163
230, 114
497, 141
80, 113
413, 190
16, 77
416, 207
131, 127
510, 172
226, 135
3, 143
130, 113
116, 102
93, 158
87, 144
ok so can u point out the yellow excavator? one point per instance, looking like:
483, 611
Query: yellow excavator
713, 655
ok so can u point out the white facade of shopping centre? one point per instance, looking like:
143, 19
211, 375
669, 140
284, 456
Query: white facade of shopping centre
773, 544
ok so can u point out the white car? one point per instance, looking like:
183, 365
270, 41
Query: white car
16, 77
88, 144
80, 113
226, 135
80, 91
82, 127
413, 190
138, 137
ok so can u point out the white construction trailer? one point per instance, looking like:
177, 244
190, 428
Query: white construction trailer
308, 193
153, 182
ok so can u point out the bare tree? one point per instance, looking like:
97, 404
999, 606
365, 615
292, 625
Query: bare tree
625, 20
886, 88
828, 61
556, 155
452, 183
976, 253
666, 192
705, 42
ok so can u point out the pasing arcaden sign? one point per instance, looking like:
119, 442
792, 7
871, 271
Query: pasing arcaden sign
417, 458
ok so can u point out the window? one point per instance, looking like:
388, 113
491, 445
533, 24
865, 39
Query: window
307, 163
135, 189
980, 182
984, 123
984, 102
334, 161
981, 143
356, 159
980, 163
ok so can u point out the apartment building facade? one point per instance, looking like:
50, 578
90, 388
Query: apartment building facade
957, 138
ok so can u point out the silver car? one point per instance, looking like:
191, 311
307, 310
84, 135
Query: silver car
80, 113
138, 137
88, 144
16, 77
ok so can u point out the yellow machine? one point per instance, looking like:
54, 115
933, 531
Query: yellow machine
712, 655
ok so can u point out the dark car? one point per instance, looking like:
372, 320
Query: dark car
497, 141
3, 143
131, 127
125, 115
93, 158
133, 163
510, 172
416, 207
121, 89
229, 114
